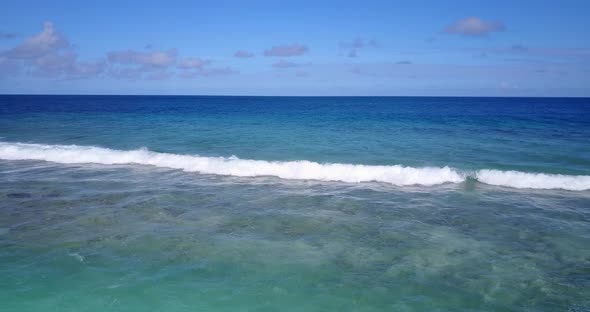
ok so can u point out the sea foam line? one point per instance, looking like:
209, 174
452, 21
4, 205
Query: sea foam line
527, 180
298, 170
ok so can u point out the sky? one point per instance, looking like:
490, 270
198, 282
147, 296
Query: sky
397, 48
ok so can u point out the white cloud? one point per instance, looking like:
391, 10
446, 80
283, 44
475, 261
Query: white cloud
132, 65
295, 49
285, 64
358, 44
156, 59
48, 54
474, 27
47, 41
243, 54
193, 63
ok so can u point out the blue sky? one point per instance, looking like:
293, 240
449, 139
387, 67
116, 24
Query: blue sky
474, 48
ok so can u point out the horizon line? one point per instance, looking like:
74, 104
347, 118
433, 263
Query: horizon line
296, 96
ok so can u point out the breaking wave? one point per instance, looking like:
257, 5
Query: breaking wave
524, 180
299, 170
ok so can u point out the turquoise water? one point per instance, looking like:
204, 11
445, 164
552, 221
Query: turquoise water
438, 204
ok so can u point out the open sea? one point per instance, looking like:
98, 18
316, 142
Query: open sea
190, 203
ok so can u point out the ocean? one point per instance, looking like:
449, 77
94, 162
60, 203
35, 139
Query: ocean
213, 203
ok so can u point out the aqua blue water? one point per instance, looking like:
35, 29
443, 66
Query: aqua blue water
116, 203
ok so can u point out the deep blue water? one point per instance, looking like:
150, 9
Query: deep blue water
136, 203
530, 134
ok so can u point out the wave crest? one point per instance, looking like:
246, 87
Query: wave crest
233, 166
297, 170
517, 179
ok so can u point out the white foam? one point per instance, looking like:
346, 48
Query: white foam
517, 179
301, 170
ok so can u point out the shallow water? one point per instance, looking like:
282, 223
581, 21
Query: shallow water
131, 237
